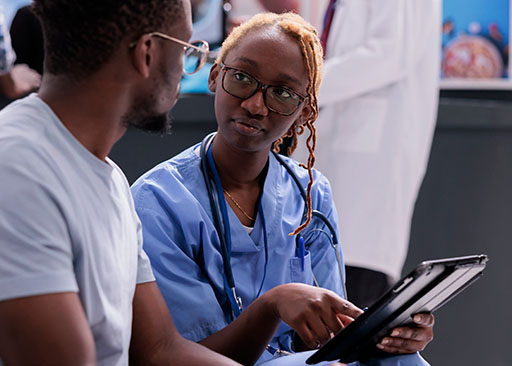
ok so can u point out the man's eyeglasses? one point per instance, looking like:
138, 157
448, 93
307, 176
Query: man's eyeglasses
196, 52
277, 98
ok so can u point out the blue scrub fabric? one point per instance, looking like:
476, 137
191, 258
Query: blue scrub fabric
299, 359
182, 242
184, 248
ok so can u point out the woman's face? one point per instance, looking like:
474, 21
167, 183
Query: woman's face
273, 58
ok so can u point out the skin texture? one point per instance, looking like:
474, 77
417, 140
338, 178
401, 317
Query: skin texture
39, 322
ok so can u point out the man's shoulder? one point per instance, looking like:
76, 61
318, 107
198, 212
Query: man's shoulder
23, 124
18, 151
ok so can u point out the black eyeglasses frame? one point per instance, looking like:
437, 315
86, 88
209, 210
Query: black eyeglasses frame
261, 86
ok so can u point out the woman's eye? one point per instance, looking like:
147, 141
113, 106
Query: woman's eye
239, 76
282, 93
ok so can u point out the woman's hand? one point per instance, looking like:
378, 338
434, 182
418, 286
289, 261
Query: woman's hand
412, 338
316, 314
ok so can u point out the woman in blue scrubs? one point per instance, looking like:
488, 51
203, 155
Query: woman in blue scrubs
265, 82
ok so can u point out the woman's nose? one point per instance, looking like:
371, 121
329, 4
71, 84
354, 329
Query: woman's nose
255, 105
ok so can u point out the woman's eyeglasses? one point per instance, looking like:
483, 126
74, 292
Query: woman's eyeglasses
196, 52
277, 98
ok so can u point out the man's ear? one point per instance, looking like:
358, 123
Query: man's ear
212, 79
143, 54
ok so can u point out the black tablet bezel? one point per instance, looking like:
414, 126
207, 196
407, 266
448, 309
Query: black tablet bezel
431, 283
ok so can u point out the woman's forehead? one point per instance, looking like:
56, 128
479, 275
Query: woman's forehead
269, 52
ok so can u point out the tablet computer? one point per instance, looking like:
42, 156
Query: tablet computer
428, 287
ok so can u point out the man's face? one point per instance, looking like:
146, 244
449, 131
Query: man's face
150, 109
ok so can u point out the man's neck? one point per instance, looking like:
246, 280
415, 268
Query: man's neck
90, 110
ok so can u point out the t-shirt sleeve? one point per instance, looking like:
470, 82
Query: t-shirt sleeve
144, 271
37, 256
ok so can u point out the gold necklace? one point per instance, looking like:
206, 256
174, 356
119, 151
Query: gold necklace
237, 205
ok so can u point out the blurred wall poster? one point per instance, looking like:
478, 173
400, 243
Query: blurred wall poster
475, 41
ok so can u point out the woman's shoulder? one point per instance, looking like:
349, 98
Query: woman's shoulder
172, 174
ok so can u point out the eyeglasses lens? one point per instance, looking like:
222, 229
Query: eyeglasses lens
193, 58
278, 99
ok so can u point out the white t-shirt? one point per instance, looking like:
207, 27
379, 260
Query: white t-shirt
67, 224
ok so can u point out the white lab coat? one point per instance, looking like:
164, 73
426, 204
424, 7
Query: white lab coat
378, 101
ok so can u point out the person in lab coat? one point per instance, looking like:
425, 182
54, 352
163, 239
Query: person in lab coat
265, 82
378, 107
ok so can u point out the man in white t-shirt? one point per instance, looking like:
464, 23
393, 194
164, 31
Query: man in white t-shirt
76, 287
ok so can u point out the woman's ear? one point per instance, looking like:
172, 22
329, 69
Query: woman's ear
304, 116
212, 79
142, 55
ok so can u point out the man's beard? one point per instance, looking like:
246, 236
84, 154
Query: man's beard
142, 116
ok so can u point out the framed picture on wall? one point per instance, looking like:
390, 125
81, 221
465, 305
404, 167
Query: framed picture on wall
475, 44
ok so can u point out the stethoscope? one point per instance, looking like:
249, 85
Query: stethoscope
221, 222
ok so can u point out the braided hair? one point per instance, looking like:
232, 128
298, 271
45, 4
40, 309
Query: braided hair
307, 39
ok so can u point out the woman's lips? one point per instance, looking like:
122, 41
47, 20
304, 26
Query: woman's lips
247, 129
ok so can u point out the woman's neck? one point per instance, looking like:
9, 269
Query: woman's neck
242, 175
238, 169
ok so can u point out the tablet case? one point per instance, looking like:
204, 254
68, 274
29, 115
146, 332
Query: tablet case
428, 287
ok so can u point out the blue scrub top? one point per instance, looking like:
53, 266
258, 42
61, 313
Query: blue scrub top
181, 240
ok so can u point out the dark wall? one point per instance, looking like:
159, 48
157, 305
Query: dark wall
464, 207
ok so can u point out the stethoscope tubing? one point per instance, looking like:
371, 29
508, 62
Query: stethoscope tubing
221, 221
222, 230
